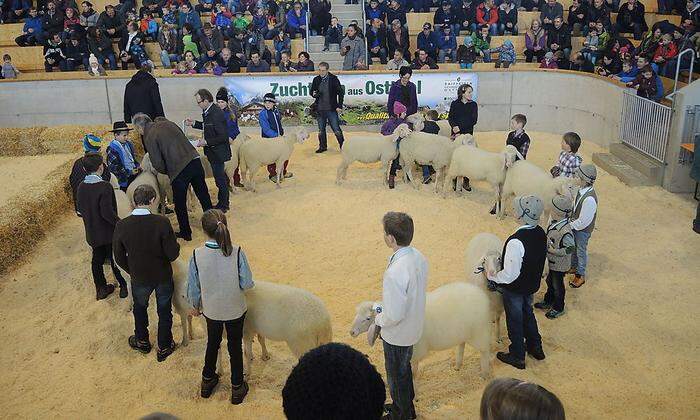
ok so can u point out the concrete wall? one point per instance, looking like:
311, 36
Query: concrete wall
553, 101
677, 176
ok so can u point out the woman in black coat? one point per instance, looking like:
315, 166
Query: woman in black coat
320, 18
464, 113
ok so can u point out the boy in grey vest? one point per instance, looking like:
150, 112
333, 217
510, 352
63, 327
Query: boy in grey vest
560, 246
583, 222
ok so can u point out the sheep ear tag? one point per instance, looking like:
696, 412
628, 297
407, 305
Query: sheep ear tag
479, 270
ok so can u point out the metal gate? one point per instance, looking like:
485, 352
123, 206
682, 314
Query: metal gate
645, 125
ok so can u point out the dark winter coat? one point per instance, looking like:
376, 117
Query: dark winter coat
142, 95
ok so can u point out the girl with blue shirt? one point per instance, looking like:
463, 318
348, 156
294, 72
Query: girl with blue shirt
270, 121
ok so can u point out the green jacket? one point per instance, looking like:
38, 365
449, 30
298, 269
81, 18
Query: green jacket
188, 45
479, 43
603, 41
239, 23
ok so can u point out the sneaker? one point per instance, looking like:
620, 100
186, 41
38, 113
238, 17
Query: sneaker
553, 314
536, 353
123, 292
288, 175
543, 305
391, 182
239, 393
140, 346
273, 178
182, 236
105, 291
427, 180
321, 150
165, 352
509, 359
208, 386
493, 210
238, 184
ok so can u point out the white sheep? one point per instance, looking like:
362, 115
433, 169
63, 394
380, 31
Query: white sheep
256, 152
526, 178
455, 314
124, 207
367, 149
113, 180
482, 256
284, 313
148, 176
478, 164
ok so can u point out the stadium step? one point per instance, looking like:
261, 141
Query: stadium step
618, 168
640, 162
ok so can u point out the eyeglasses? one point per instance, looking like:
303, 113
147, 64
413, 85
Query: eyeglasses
199, 102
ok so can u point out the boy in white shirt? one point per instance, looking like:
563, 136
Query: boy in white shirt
401, 314
583, 222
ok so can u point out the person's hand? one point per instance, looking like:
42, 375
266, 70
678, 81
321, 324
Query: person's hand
111, 31
201, 143
375, 49
50, 60
455, 129
537, 48
338, 110
593, 48
188, 122
555, 46
580, 16
372, 333
195, 312
31, 30
510, 25
629, 84
347, 48
302, 27
425, 67
211, 53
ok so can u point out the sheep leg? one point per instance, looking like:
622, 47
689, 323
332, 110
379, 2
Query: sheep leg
485, 364
446, 185
186, 321
251, 177
385, 171
339, 173
459, 356
499, 329
280, 172
265, 354
438, 172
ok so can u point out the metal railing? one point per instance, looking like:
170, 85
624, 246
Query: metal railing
679, 60
645, 125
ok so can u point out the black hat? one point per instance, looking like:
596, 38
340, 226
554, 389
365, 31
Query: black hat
222, 94
270, 97
119, 126
334, 381
427, 25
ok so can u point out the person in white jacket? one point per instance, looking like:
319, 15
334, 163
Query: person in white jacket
400, 316
583, 222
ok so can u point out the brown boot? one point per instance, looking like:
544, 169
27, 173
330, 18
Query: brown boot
577, 282
391, 182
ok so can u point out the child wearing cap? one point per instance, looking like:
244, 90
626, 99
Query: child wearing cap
121, 158
270, 121
388, 128
549, 62
91, 145
583, 222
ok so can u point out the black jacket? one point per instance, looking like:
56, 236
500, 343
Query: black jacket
142, 95
98, 207
337, 92
399, 14
463, 115
52, 23
561, 37
534, 241
573, 16
379, 36
404, 46
115, 22
467, 12
626, 17
78, 174
218, 149
233, 65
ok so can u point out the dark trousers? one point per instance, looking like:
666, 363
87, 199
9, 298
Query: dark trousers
192, 174
329, 117
531, 54
100, 254
381, 54
395, 164
696, 222
633, 28
140, 293
397, 361
222, 182
521, 323
555, 290
234, 338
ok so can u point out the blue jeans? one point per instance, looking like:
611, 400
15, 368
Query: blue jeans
168, 59
465, 65
397, 361
140, 293
222, 182
493, 29
329, 117
580, 258
502, 29
521, 323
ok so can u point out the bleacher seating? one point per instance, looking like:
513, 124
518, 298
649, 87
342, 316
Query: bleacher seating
26, 58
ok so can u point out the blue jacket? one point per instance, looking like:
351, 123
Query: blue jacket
447, 44
115, 162
20, 5
626, 77
295, 21
259, 22
34, 23
192, 18
231, 125
285, 45
271, 123
428, 43
222, 21
659, 88
378, 13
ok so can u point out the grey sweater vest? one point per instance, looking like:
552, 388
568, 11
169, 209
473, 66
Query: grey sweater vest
222, 296
578, 203
559, 260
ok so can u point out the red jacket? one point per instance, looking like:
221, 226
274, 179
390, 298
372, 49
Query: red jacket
666, 52
481, 15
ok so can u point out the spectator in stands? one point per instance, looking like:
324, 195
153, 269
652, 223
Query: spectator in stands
487, 14
17, 10
648, 84
690, 17
423, 61
32, 31
551, 9
404, 91
237, 45
125, 43
256, 42
259, 22
508, 18
227, 62
466, 16
296, 21
149, 26
239, 23
360, 33
9, 70
683, 40
186, 66
282, 43
466, 54
447, 45
396, 11
508, 398
89, 17
54, 53
610, 65
650, 41
257, 64
101, 47
604, 39
334, 34
398, 61
320, 18
376, 41
535, 42
77, 53
110, 23
581, 63
169, 45
665, 51
482, 43
187, 43
211, 42
189, 16
138, 52
52, 21
205, 6
142, 95
94, 67
506, 54
578, 18
153, 6
169, 16
285, 64
629, 72
304, 63
374, 11
427, 40
328, 102
397, 39
270, 121
71, 25
222, 19
353, 50
121, 157
549, 62
590, 46
559, 37
445, 16
630, 19
599, 12
643, 61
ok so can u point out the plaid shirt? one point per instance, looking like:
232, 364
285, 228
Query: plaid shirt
568, 162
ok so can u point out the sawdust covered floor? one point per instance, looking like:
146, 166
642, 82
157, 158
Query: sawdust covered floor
626, 348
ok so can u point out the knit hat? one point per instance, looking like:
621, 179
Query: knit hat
93, 59
399, 108
222, 94
528, 209
587, 173
468, 41
91, 143
333, 381
562, 204
549, 55
270, 97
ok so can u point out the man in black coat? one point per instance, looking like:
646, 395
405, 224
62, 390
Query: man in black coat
630, 19
216, 143
328, 94
376, 41
142, 95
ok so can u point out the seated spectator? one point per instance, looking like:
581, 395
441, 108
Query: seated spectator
77, 53
101, 47
259, 23
256, 42
535, 42
529, 5
423, 61
508, 398
466, 54
643, 62
690, 17
282, 43
205, 6
397, 62
646, 84
374, 11
427, 41
188, 16
153, 6
508, 18
210, 67
320, 18
110, 23
563, 62
559, 37
397, 39
239, 23
482, 43
650, 41
548, 62
222, 18
466, 15
360, 33
52, 21
71, 24
94, 67
227, 62
304, 63
551, 9
169, 16
590, 46
353, 50
447, 45
16, 10
32, 31
169, 45
138, 53
630, 19
149, 26
257, 64
186, 66
665, 51
396, 11
610, 65
211, 42
296, 21
88, 18
9, 70
581, 63
487, 14
418, 6
604, 39
285, 64
445, 16
376, 41
506, 54
187, 43
599, 11
238, 46
125, 43
54, 54
578, 18
629, 72
334, 34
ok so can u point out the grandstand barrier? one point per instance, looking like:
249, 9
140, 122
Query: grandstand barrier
645, 125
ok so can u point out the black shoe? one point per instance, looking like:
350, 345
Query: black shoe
238, 184
391, 182
288, 175
536, 353
208, 386
273, 178
321, 150
140, 346
105, 291
169, 210
164, 353
554, 314
182, 236
493, 210
543, 305
427, 180
239, 393
123, 292
325, 48
509, 359
465, 185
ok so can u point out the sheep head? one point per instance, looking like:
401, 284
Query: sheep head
146, 164
364, 317
566, 187
402, 131
465, 140
491, 263
511, 153
302, 135
418, 125
415, 119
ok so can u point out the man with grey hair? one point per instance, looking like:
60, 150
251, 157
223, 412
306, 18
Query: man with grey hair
328, 94
172, 154
524, 255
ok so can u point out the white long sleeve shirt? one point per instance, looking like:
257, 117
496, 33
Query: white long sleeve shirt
588, 209
403, 298
512, 261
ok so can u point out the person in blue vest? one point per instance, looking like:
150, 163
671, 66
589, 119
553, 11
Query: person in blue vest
524, 255
121, 159
270, 121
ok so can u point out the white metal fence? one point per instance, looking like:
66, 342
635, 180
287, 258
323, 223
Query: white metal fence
645, 125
